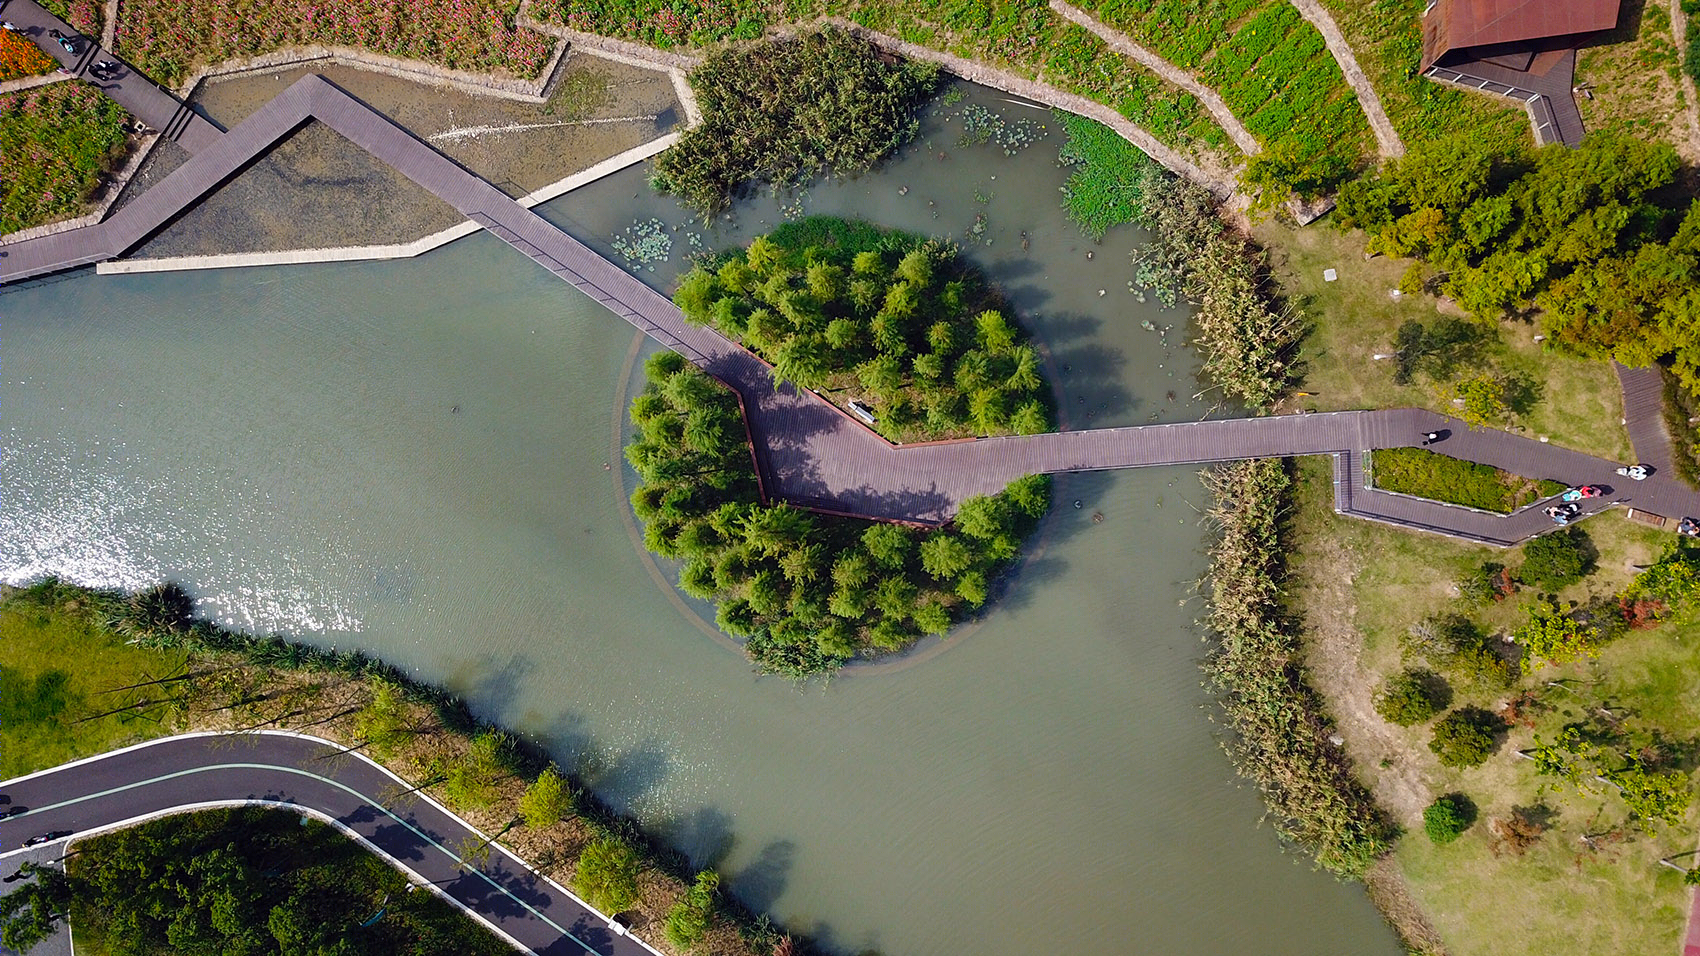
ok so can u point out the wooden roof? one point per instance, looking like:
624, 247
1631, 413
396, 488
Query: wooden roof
1452, 25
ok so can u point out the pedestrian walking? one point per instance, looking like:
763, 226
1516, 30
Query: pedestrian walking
8, 25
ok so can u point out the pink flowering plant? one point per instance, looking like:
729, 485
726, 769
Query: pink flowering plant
168, 38
85, 15
55, 141
668, 23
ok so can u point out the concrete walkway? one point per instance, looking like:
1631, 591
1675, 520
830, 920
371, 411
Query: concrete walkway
146, 100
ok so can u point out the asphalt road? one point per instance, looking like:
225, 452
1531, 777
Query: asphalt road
180, 773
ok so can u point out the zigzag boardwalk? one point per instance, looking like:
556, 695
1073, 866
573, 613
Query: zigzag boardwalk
808, 451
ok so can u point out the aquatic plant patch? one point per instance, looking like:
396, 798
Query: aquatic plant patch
1279, 728
1426, 474
805, 591
167, 39
55, 141
1105, 188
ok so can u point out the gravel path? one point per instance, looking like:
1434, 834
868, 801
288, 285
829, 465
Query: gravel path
1119, 42
1386, 137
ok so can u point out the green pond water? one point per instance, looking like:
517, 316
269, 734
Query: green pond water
421, 459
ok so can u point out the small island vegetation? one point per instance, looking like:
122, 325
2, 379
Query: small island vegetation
895, 322
241, 880
806, 591
788, 110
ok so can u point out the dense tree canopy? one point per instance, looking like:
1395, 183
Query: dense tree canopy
787, 110
894, 321
807, 591
252, 880
1598, 237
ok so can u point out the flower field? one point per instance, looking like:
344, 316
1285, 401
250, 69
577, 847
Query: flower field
168, 38
85, 15
20, 57
54, 143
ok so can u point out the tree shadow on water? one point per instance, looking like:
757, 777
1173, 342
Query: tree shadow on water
762, 882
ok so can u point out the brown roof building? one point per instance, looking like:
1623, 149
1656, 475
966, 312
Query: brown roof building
1522, 49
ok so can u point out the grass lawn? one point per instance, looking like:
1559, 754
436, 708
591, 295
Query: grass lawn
1354, 319
57, 670
1426, 474
1636, 77
1359, 586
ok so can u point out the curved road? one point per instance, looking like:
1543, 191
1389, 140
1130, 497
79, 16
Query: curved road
415, 832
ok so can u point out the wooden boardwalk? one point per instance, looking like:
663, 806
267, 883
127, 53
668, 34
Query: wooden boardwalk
808, 451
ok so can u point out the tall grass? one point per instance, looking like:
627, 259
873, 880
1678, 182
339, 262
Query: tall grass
1279, 728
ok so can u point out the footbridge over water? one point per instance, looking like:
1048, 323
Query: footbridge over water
808, 451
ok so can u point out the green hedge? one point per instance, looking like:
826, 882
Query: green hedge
1425, 474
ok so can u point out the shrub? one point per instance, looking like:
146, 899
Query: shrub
1554, 560
1486, 583
546, 801
1412, 696
1553, 637
1466, 737
1447, 818
607, 875
689, 919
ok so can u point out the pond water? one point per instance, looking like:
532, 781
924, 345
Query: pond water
421, 458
